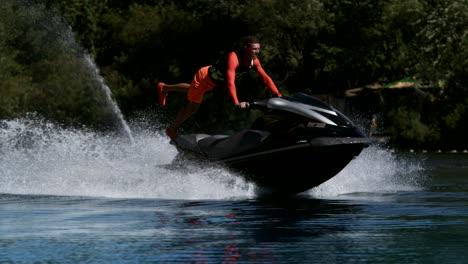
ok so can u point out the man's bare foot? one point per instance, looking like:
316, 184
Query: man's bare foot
162, 94
171, 133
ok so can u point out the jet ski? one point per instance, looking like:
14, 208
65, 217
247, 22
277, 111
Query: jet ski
298, 143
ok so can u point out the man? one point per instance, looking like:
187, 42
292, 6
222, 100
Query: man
210, 77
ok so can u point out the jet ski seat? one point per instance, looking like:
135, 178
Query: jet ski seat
221, 146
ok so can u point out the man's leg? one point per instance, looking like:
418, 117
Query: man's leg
183, 115
163, 90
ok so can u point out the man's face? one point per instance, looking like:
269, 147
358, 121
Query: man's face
252, 50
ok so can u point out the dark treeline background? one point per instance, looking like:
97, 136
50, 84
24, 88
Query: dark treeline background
311, 46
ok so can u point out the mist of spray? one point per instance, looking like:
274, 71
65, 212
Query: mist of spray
59, 40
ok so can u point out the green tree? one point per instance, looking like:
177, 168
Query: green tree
43, 68
313, 46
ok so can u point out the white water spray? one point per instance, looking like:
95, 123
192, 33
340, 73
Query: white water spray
40, 158
66, 40
108, 94
374, 171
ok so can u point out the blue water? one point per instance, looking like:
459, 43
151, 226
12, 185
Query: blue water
69, 196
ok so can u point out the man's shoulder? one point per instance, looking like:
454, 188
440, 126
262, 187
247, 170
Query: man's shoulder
232, 59
256, 62
232, 54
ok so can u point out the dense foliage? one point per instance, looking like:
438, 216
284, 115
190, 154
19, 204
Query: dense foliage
312, 46
42, 69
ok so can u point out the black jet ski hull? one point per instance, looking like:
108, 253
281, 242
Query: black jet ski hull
287, 170
296, 169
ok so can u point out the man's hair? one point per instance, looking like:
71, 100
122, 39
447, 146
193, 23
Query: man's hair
249, 40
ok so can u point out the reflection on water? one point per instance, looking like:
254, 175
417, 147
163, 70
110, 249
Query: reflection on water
250, 230
405, 227
261, 229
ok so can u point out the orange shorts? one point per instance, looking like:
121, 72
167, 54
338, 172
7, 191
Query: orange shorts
201, 83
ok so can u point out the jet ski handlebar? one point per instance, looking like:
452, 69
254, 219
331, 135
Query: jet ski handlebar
259, 104
271, 103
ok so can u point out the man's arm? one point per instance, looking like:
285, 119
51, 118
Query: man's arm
232, 64
266, 79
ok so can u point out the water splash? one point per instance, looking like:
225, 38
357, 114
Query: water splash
61, 37
40, 158
108, 95
375, 171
